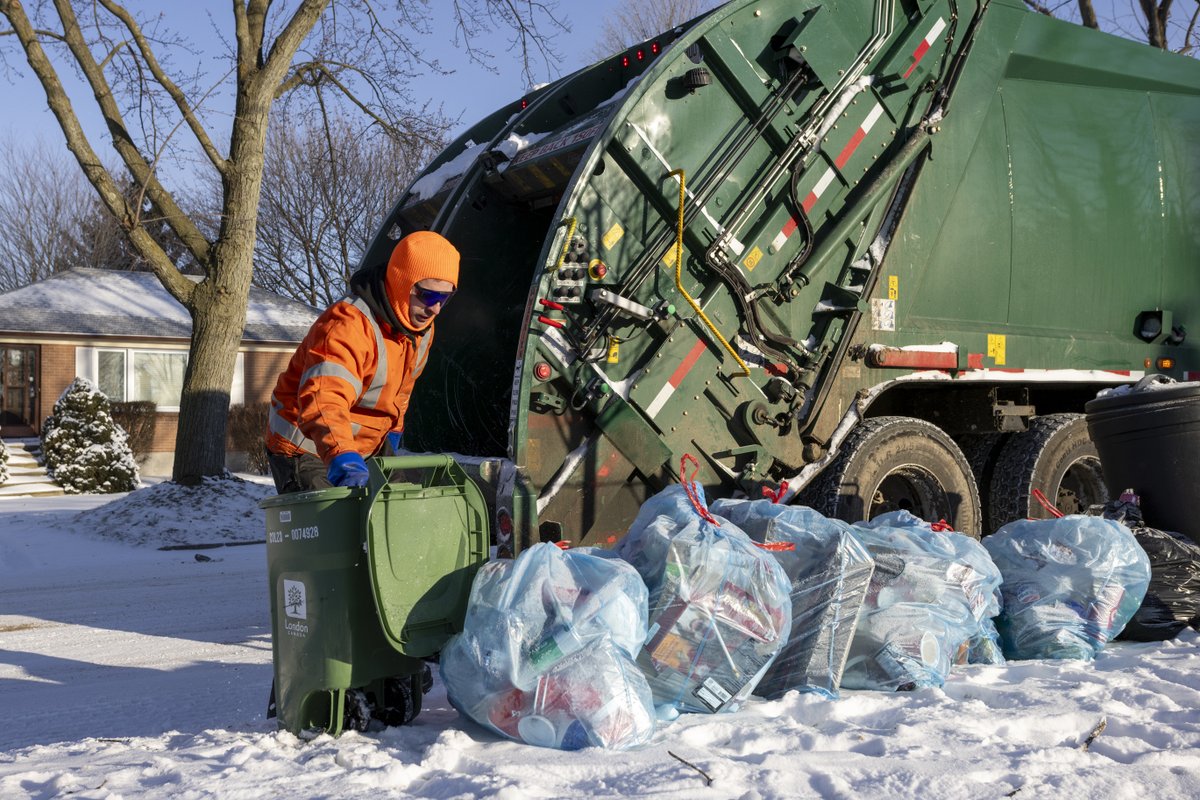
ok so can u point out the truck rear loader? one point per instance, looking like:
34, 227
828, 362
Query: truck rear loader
882, 250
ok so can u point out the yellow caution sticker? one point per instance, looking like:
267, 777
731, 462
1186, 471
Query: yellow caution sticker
996, 348
893, 287
614, 351
669, 257
613, 236
753, 258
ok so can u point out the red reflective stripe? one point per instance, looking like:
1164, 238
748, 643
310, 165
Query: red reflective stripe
790, 227
809, 202
850, 147
918, 54
975, 360
688, 362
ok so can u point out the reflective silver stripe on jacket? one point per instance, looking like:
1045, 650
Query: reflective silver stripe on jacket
422, 352
287, 430
333, 370
370, 398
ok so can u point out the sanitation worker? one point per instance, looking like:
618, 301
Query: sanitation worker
346, 388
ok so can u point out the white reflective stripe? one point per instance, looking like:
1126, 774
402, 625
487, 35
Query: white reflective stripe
331, 369
287, 430
370, 398
422, 353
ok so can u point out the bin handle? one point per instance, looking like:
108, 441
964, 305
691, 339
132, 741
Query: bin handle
1152, 379
431, 461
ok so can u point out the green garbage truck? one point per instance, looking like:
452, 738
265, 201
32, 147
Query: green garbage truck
882, 250
865, 254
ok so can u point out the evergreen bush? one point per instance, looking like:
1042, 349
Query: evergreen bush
85, 451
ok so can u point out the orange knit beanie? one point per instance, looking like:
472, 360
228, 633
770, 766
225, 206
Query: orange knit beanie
418, 256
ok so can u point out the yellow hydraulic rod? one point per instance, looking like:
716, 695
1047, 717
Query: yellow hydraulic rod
679, 281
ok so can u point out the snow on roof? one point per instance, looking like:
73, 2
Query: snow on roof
103, 302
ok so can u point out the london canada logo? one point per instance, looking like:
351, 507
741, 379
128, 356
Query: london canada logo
295, 606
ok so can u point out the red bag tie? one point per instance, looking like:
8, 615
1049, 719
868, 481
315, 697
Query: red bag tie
689, 487
775, 495
777, 547
1046, 504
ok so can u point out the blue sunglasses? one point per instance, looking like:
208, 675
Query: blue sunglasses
429, 297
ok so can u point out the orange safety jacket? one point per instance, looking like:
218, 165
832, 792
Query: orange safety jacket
347, 385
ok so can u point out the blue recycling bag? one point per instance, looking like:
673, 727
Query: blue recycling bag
720, 609
1070, 585
547, 652
931, 599
829, 571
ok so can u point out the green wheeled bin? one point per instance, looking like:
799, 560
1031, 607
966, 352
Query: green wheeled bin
365, 583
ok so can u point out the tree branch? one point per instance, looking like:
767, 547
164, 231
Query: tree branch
185, 109
89, 162
141, 170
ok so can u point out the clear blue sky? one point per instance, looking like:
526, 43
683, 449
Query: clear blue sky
470, 93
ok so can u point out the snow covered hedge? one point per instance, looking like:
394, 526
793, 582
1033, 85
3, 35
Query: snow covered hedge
86, 452
3, 464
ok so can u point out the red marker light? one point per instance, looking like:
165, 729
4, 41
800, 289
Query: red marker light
542, 371
624, 61
504, 522
524, 103
641, 54
654, 48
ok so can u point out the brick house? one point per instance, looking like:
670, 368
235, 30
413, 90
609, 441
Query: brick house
126, 334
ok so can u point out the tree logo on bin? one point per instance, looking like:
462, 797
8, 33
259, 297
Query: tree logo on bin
294, 603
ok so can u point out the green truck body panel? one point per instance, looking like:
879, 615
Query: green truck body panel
918, 206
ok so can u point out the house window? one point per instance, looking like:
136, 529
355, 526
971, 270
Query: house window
142, 374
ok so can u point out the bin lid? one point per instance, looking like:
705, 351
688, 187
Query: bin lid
425, 541
1150, 389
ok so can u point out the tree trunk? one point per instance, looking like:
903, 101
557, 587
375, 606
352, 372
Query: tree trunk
218, 317
220, 301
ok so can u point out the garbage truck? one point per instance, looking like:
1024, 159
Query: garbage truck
882, 251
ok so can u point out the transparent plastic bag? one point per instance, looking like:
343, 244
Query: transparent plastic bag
829, 571
719, 606
1070, 585
926, 607
547, 652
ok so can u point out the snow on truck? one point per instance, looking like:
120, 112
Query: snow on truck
883, 250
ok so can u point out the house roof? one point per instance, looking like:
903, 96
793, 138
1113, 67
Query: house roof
100, 302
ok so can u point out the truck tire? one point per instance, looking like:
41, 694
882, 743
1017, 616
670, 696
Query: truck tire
981, 451
1055, 455
893, 463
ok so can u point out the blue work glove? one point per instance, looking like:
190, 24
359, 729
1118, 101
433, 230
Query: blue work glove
348, 469
395, 440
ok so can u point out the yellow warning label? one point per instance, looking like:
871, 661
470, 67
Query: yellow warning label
996, 348
753, 258
893, 287
669, 257
614, 351
613, 236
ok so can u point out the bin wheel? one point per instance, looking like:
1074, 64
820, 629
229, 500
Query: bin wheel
898, 463
1055, 455
358, 711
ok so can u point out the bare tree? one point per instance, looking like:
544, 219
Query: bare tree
325, 190
42, 201
1150, 21
363, 57
636, 20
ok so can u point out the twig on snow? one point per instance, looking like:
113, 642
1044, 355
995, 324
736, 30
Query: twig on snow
707, 780
1096, 731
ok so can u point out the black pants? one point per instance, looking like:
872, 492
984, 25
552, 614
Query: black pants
302, 473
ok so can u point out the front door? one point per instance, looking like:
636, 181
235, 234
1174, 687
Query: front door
18, 390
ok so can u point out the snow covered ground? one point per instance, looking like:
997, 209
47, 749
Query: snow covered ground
127, 671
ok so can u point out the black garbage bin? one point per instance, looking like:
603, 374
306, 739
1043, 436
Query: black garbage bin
1148, 440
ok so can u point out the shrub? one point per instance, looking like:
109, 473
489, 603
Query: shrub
247, 429
86, 452
138, 419
3, 464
